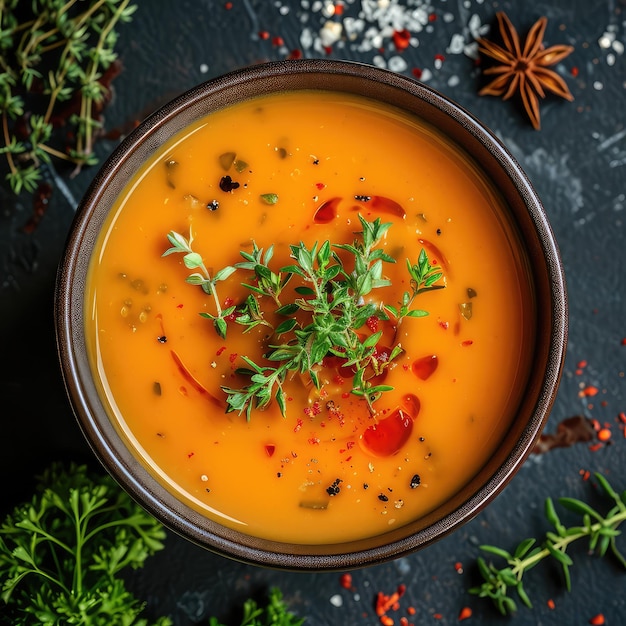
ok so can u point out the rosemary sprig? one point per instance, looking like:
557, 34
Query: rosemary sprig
326, 318
55, 53
600, 530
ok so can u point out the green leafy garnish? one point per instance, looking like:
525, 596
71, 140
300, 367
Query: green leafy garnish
601, 531
327, 317
203, 278
52, 52
61, 553
275, 613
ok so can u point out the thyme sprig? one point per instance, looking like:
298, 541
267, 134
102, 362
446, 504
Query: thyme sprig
601, 531
326, 318
202, 278
56, 53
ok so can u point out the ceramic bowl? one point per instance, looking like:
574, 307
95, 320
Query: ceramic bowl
526, 212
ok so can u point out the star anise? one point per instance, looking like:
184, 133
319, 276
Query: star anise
524, 70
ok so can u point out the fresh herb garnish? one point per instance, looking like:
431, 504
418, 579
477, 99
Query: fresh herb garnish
600, 530
53, 54
61, 553
326, 318
202, 278
274, 613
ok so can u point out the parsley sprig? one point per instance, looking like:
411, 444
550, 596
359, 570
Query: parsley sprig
274, 613
601, 532
332, 304
53, 52
62, 552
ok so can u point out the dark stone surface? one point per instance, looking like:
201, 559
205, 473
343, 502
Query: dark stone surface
577, 163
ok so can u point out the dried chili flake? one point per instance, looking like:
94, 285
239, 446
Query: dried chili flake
595, 447
386, 602
622, 417
574, 71
220, 350
228, 6
585, 474
345, 580
597, 620
467, 342
551, 604
270, 448
465, 613
417, 72
314, 441
458, 566
232, 357
339, 9
437, 616
401, 39
588, 391
263, 34
278, 41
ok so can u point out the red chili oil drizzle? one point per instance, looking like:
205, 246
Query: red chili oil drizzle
190, 378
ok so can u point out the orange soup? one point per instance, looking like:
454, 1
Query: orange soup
384, 373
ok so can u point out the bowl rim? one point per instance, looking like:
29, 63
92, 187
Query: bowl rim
108, 446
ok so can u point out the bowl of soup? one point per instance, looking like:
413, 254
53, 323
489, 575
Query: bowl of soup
311, 315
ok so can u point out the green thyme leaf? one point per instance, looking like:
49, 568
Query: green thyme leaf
600, 530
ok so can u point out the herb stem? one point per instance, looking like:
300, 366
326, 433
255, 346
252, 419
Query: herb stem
562, 542
7, 139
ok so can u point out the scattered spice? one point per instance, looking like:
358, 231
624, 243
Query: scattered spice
588, 391
334, 489
228, 184
597, 620
465, 613
345, 580
524, 70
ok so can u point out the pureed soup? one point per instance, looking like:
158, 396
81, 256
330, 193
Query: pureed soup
261, 350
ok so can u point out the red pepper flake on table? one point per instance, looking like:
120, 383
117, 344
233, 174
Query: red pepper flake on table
465, 613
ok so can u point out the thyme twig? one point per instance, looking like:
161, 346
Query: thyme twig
600, 530
325, 319
59, 50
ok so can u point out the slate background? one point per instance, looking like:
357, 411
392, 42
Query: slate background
577, 163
